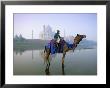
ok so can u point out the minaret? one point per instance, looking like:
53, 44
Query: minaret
32, 34
32, 48
64, 33
44, 32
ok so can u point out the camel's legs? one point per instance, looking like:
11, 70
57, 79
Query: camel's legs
75, 45
47, 56
74, 49
47, 53
64, 53
47, 69
63, 72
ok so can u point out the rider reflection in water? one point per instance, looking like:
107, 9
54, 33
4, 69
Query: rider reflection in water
57, 39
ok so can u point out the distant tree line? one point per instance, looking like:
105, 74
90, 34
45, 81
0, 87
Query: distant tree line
19, 38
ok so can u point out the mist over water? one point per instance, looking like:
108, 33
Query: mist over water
31, 62
33, 31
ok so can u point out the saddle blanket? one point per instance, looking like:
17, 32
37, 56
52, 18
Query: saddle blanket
54, 49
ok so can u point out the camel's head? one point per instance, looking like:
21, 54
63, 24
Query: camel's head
79, 38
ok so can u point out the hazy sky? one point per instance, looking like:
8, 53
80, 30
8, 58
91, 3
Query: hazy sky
72, 23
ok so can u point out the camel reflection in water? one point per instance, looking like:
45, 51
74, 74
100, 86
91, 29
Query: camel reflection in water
47, 62
47, 69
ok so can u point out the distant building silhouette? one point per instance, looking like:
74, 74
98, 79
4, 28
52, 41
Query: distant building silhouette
47, 33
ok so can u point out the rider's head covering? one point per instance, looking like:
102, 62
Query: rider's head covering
58, 31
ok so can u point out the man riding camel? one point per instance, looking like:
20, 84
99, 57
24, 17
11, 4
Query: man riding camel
57, 36
57, 39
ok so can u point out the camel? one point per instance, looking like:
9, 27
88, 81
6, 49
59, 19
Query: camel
76, 41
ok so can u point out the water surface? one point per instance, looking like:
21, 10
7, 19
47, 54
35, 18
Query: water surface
31, 62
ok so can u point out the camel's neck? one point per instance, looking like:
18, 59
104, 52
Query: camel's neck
70, 46
77, 41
